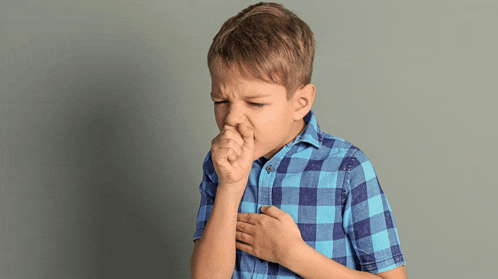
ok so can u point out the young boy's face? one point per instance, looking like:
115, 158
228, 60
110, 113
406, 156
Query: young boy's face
262, 106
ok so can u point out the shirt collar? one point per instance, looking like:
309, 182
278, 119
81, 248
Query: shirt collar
311, 133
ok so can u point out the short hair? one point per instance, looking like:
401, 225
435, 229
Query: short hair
268, 42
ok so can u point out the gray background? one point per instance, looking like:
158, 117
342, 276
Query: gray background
105, 118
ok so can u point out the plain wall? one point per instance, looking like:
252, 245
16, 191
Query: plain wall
105, 118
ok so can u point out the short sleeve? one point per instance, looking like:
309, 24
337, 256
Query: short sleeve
207, 190
368, 218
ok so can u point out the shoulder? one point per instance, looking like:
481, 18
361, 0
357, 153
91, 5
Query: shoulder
357, 168
352, 159
336, 147
329, 141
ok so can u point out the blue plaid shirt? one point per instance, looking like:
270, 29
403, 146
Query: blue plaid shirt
330, 189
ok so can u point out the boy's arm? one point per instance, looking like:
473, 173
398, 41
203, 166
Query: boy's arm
214, 252
309, 263
232, 156
274, 236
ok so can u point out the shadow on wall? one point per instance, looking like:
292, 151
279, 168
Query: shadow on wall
92, 133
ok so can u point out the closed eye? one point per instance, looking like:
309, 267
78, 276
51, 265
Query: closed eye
256, 104
220, 102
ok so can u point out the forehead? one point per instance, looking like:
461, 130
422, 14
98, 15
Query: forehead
226, 69
237, 85
236, 78
222, 71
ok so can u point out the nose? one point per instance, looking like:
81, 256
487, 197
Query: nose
234, 116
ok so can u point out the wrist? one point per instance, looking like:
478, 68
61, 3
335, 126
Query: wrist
235, 190
294, 254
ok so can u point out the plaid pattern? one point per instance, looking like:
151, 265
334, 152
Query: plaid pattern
331, 190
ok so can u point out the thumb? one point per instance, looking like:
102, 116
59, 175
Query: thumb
272, 211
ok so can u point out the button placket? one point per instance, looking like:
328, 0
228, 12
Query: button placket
269, 169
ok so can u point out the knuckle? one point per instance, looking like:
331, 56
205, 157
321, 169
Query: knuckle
228, 130
246, 217
240, 237
242, 226
262, 221
231, 141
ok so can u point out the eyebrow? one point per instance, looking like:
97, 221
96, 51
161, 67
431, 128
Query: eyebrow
257, 96
247, 97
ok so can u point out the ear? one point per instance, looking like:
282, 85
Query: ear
303, 100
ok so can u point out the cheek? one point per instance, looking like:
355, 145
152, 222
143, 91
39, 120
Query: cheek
219, 117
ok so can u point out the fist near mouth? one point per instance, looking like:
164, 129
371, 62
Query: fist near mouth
232, 154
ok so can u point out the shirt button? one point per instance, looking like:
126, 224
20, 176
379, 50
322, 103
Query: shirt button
269, 169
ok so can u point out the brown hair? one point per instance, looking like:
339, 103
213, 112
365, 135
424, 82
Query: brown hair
268, 42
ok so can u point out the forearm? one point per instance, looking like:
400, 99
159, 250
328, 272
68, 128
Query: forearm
309, 263
214, 252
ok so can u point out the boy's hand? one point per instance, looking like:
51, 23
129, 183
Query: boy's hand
232, 154
269, 236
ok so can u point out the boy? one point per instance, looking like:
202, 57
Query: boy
328, 217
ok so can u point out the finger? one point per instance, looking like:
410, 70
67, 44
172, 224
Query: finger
228, 127
232, 132
224, 153
229, 132
250, 218
234, 145
221, 158
244, 247
247, 135
232, 155
273, 211
227, 148
245, 228
244, 237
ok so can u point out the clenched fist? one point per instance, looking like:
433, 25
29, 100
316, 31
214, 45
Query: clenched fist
232, 154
